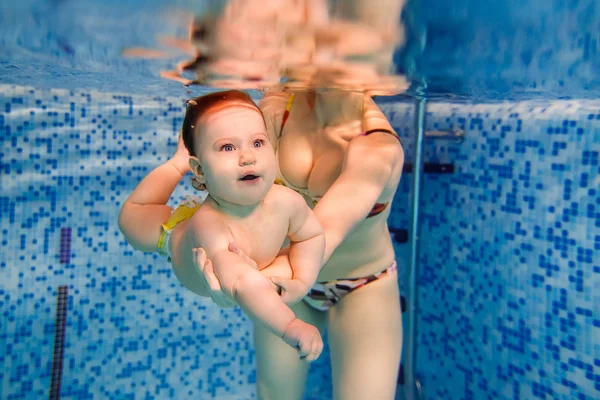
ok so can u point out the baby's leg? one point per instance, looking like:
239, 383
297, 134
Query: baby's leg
260, 301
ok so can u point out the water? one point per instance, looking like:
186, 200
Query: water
505, 50
509, 271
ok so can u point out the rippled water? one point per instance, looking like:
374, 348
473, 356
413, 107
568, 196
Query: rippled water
452, 50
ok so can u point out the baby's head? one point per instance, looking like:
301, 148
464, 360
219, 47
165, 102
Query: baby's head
226, 137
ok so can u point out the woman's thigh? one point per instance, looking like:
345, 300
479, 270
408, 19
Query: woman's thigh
280, 374
365, 341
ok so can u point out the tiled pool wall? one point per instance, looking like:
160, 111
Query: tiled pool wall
508, 289
509, 283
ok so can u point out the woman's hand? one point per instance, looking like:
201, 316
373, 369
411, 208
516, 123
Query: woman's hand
210, 280
292, 290
280, 274
181, 158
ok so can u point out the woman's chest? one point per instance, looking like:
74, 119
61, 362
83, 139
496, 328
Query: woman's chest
313, 160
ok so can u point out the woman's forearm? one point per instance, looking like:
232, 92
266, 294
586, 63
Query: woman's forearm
306, 258
371, 162
333, 239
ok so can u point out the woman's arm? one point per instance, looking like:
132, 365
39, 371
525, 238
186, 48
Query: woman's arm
369, 166
145, 210
307, 243
305, 254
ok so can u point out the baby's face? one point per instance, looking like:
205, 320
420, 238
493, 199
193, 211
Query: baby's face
236, 158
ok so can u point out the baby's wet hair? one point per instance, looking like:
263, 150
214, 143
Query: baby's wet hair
201, 105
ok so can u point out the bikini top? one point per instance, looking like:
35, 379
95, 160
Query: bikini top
377, 209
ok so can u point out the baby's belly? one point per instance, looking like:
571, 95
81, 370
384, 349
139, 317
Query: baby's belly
365, 251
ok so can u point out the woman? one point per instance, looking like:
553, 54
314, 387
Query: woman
339, 151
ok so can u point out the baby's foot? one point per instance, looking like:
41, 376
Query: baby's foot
305, 338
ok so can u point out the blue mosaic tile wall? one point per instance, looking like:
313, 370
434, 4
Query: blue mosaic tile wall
509, 283
509, 256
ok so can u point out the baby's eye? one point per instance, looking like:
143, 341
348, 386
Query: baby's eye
258, 143
227, 147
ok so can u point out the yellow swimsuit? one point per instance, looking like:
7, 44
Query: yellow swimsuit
184, 211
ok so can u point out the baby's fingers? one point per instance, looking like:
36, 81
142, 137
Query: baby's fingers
304, 349
316, 351
315, 347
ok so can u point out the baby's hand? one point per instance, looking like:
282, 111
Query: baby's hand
292, 290
181, 158
305, 338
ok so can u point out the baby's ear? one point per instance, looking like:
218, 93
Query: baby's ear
196, 168
199, 180
197, 185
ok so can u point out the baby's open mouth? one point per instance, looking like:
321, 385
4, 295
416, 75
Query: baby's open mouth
249, 177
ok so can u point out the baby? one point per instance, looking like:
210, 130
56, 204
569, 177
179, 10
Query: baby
232, 157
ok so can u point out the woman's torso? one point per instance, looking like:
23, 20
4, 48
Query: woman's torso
310, 160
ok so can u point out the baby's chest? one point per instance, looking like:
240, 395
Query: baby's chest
261, 240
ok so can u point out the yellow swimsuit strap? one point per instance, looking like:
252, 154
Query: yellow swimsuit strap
183, 212
286, 113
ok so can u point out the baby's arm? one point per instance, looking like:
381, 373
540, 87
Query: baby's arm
260, 301
307, 245
144, 212
250, 288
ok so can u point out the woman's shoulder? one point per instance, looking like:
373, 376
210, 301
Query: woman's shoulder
273, 107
